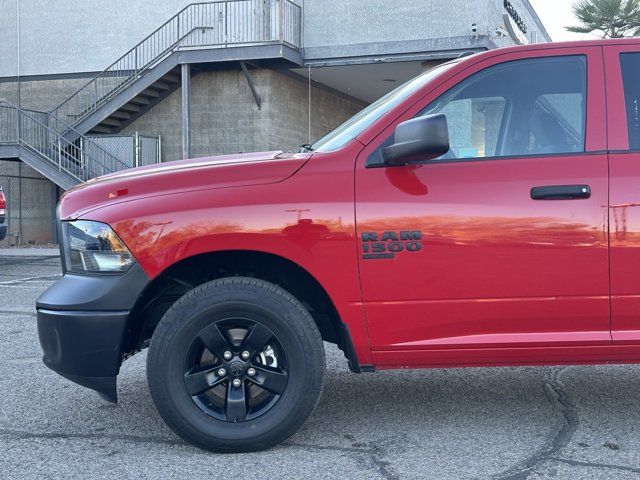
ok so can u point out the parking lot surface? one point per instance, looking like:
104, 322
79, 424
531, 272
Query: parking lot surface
500, 423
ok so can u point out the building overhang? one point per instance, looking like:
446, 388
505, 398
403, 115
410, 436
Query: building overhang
430, 49
277, 54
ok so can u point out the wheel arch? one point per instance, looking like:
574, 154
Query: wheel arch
177, 279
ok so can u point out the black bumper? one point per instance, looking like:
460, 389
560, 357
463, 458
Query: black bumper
82, 323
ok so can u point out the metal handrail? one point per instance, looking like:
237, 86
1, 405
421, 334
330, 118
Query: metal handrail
71, 157
196, 25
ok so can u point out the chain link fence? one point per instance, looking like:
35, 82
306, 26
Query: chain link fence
134, 150
30, 215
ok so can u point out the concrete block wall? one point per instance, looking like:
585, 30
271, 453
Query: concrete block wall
225, 118
339, 23
224, 115
288, 101
73, 36
44, 94
494, 9
29, 204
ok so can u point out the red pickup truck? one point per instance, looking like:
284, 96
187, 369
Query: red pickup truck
485, 213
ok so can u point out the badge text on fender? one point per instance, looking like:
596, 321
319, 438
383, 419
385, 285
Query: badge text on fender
377, 245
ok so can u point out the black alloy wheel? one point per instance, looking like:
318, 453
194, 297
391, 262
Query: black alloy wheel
236, 365
235, 369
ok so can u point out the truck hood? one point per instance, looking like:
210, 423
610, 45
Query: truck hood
205, 173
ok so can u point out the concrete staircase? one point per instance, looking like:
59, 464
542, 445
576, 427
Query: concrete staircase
33, 137
54, 143
209, 32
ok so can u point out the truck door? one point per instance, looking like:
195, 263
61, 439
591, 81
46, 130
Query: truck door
501, 242
622, 64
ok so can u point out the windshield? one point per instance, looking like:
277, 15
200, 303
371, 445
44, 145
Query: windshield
353, 127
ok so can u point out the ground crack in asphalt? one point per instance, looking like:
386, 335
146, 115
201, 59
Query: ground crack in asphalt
550, 451
578, 463
372, 454
568, 425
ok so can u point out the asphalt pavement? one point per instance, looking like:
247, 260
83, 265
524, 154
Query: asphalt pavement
496, 423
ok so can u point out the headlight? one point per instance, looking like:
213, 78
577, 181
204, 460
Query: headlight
92, 247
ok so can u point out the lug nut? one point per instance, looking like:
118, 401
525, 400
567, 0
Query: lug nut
222, 372
251, 372
237, 382
227, 355
245, 355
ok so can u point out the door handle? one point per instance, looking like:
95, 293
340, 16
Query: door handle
561, 192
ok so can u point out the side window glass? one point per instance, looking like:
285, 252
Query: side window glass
630, 65
524, 107
563, 112
474, 125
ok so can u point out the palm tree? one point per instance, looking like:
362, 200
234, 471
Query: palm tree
608, 18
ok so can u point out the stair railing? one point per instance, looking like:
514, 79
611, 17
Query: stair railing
81, 159
205, 24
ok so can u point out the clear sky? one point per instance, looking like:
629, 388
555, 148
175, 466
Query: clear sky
556, 15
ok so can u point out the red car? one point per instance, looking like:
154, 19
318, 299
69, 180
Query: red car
486, 212
3, 215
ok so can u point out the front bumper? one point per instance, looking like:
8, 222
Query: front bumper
82, 324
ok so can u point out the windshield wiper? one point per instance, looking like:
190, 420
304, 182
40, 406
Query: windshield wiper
305, 147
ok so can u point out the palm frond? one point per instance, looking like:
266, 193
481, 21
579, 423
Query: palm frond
613, 18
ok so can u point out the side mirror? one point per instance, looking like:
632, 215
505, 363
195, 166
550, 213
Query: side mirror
418, 140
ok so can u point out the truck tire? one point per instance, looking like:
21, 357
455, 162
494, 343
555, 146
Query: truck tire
236, 365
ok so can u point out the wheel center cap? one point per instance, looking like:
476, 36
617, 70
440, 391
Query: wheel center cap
236, 368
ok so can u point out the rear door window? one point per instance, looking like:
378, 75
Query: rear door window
630, 66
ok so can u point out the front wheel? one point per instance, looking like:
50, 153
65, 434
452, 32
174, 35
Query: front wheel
236, 365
